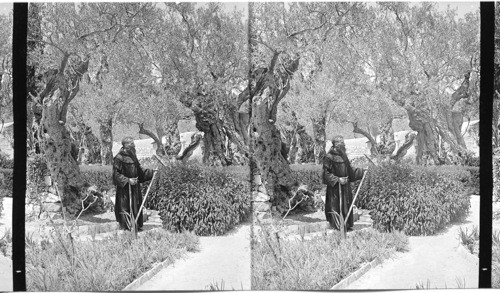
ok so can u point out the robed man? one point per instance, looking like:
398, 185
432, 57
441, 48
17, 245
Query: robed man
337, 175
128, 176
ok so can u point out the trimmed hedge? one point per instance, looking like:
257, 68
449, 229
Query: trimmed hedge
208, 201
416, 200
5, 185
100, 176
311, 174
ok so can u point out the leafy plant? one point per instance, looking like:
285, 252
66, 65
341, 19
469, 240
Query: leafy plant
5, 161
469, 239
320, 263
416, 200
5, 185
495, 260
104, 265
205, 200
6, 242
100, 176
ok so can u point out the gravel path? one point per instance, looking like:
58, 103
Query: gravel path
223, 261
6, 262
433, 261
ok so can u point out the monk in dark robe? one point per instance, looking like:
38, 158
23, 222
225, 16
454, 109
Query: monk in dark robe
338, 173
128, 175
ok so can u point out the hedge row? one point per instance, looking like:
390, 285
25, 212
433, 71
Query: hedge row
208, 201
5, 185
468, 176
416, 200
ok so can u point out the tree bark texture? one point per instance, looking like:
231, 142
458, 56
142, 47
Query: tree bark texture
304, 145
160, 150
319, 133
427, 136
196, 139
269, 88
172, 139
365, 133
439, 139
223, 138
60, 89
106, 140
401, 152
496, 109
92, 146
387, 143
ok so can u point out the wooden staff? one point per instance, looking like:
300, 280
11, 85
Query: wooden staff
149, 188
356, 196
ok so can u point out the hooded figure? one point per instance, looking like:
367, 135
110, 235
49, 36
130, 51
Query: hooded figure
128, 172
338, 173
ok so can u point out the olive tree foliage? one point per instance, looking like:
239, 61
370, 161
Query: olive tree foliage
5, 70
284, 38
65, 41
428, 63
496, 99
199, 53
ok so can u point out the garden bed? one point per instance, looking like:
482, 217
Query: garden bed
320, 263
105, 265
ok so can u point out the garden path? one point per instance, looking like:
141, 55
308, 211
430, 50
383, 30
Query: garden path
433, 261
222, 260
6, 262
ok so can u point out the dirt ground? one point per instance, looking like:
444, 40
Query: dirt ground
436, 262
223, 261
6, 262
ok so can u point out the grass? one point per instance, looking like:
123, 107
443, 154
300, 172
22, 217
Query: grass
469, 239
320, 263
106, 265
495, 260
6, 242
460, 284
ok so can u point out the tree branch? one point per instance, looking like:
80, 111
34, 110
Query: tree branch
97, 32
50, 44
263, 43
307, 30
149, 133
365, 133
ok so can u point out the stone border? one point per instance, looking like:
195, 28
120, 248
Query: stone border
149, 274
357, 274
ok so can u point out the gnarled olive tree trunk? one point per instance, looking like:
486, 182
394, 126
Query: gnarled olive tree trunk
439, 139
269, 88
387, 143
60, 89
172, 139
160, 149
319, 135
223, 131
106, 140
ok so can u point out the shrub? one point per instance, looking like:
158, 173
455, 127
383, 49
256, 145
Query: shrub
416, 200
5, 185
106, 265
100, 176
470, 159
320, 263
495, 260
309, 175
205, 200
5, 161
